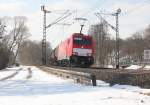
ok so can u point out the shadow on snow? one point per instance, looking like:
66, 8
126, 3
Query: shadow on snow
27, 88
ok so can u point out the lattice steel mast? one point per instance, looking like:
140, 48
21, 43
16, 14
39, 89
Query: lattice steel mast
117, 33
44, 35
45, 26
117, 38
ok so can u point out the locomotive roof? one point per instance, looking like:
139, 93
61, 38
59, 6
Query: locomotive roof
74, 34
79, 34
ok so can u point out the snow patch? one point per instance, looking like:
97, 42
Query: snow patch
147, 67
134, 67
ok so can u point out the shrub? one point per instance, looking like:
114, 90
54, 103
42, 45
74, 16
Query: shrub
4, 57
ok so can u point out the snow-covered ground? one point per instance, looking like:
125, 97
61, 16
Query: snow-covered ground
35, 87
110, 66
134, 67
147, 67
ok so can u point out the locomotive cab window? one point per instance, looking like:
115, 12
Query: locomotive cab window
82, 41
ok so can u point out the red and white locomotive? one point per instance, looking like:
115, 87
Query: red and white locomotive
77, 50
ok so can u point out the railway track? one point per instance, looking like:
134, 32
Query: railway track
127, 77
85, 70
77, 74
109, 70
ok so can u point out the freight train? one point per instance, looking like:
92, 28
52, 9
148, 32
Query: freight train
77, 50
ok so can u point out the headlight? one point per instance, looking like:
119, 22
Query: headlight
75, 53
89, 54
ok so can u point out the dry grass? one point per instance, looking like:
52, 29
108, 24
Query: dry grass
148, 94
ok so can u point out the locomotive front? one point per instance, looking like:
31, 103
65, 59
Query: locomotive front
82, 50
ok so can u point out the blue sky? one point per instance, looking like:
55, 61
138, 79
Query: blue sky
134, 17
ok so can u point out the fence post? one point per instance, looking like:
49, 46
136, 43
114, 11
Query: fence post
93, 78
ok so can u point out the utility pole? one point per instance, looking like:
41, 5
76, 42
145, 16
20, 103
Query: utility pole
44, 34
45, 26
117, 38
117, 33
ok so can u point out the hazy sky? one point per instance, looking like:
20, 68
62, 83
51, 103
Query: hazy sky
134, 16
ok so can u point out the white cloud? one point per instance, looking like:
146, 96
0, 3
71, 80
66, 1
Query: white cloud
56, 33
134, 17
12, 8
35, 21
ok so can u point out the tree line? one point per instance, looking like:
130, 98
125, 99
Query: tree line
13, 32
15, 47
132, 47
31, 53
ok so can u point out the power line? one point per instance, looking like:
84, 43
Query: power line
101, 18
136, 8
93, 8
64, 16
117, 33
61, 18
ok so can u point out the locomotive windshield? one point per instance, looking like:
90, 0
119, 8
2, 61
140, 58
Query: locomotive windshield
82, 41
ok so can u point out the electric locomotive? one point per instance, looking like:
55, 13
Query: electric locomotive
78, 50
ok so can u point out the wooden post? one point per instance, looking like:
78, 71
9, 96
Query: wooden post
93, 78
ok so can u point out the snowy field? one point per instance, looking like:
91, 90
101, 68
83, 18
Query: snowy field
33, 87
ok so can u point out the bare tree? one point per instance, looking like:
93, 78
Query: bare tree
103, 44
4, 52
147, 37
31, 52
134, 47
17, 34
131, 48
